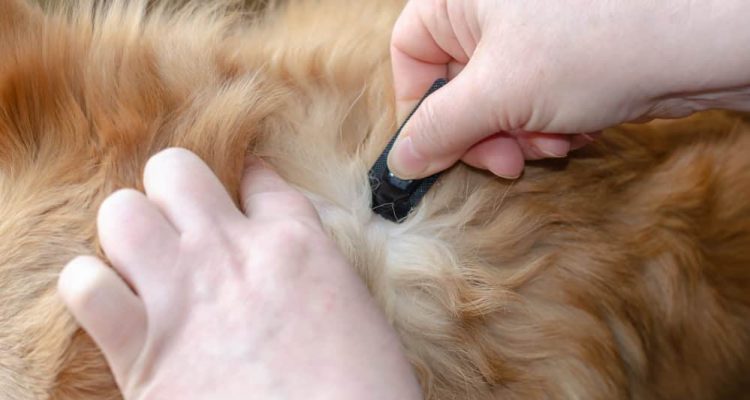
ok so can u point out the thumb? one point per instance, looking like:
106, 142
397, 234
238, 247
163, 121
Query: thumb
442, 129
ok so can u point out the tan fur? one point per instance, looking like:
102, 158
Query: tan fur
623, 272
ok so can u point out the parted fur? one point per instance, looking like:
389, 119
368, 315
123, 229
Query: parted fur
620, 273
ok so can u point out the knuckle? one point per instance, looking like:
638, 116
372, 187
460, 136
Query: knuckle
286, 249
288, 199
285, 245
289, 239
289, 232
297, 201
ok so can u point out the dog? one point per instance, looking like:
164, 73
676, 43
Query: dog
621, 272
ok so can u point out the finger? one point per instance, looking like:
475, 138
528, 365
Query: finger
107, 309
266, 195
136, 237
499, 154
412, 78
440, 131
186, 190
536, 146
417, 59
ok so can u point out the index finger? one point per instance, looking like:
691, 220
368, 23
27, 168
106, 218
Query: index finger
416, 58
266, 195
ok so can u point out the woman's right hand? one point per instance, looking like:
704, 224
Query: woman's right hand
558, 67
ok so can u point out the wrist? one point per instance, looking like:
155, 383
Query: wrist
706, 57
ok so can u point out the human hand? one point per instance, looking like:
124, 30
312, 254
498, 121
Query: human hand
229, 305
516, 68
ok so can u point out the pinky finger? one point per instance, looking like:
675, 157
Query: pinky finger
107, 309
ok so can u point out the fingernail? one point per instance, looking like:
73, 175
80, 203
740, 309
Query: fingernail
552, 148
549, 154
507, 176
404, 161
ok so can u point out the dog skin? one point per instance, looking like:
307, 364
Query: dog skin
622, 272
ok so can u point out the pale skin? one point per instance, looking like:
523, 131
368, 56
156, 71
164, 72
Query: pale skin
516, 68
259, 303
229, 304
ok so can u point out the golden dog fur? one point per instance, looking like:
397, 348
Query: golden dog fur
620, 273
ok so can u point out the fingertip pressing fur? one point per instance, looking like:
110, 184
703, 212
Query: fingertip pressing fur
621, 272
